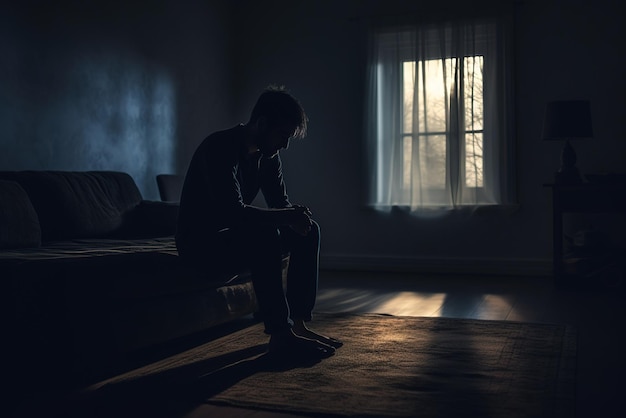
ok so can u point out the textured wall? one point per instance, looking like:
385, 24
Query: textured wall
108, 85
100, 111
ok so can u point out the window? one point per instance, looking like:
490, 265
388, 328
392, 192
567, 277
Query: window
440, 126
428, 111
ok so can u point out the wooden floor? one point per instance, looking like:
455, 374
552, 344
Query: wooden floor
597, 313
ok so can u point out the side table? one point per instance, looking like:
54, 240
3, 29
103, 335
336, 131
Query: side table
581, 198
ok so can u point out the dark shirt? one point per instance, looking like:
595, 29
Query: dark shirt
221, 181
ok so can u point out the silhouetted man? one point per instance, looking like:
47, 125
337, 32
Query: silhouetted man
219, 228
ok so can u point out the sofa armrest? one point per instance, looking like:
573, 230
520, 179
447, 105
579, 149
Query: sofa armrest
151, 218
19, 223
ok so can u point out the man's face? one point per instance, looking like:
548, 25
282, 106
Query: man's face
274, 139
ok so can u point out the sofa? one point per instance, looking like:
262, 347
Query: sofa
90, 270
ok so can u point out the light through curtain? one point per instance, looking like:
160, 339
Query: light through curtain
439, 116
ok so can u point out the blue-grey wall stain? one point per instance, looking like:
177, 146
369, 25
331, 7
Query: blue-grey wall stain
73, 99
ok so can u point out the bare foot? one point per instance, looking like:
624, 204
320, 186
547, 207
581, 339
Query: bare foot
290, 344
300, 329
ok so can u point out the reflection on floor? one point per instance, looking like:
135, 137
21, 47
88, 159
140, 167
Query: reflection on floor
512, 299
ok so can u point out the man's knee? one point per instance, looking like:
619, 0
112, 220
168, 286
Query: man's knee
313, 237
310, 240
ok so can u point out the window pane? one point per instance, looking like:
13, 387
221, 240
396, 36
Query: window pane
408, 71
428, 77
474, 160
407, 150
432, 156
432, 97
473, 93
431, 170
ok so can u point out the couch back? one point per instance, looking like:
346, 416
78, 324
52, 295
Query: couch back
77, 204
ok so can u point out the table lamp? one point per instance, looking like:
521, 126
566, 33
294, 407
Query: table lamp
567, 120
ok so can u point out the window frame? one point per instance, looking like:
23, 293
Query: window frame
474, 195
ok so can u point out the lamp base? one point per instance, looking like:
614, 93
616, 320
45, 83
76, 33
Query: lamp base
568, 173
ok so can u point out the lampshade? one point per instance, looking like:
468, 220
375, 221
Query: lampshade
567, 119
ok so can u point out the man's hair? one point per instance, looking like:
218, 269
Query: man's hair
279, 107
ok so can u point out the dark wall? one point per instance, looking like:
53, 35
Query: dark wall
111, 85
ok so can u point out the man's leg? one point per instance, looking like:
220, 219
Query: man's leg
302, 281
262, 250
302, 277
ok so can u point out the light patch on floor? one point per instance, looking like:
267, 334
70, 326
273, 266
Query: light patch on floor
413, 304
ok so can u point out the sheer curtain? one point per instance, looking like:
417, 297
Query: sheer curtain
439, 115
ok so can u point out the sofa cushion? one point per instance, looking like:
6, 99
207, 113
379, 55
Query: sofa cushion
150, 218
19, 224
131, 268
78, 204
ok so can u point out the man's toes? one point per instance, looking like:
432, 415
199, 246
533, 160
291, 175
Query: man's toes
333, 342
301, 347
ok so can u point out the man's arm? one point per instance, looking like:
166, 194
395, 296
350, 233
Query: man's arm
297, 217
275, 194
272, 183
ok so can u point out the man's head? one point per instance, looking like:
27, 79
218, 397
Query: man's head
278, 117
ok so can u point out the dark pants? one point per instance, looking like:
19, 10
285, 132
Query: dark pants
261, 249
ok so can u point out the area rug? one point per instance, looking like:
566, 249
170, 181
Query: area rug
388, 367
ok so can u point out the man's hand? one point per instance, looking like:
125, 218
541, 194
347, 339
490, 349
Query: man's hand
301, 220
